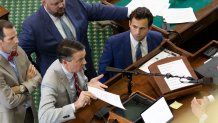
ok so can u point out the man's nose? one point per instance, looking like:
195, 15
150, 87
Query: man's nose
16, 41
84, 61
61, 5
137, 31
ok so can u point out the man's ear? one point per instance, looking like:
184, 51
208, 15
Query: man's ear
129, 23
64, 61
1, 41
150, 27
44, 2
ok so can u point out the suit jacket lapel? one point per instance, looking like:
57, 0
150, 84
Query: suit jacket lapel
65, 82
70, 12
127, 49
18, 62
50, 24
18, 68
73, 21
5, 65
149, 42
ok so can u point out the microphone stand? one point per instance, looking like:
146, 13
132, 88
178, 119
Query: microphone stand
130, 73
129, 76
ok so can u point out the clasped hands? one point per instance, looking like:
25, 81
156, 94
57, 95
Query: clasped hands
31, 73
199, 106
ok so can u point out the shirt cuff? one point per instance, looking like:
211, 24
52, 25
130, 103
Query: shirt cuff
73, 106
211, 98
129, 12
203, 118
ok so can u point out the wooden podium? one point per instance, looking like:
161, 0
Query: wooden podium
118, 85
160, 85
4, 13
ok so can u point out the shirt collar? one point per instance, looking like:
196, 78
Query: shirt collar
67, 73
54, 19
135, 42
5, 55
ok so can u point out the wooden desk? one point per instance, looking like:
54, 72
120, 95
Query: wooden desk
4, 13
118, 85
205, 17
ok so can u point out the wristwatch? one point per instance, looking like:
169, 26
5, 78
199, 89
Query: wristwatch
22, 88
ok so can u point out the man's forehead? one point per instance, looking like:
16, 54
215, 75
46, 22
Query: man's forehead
53, 1
143, 22
8, 31
79, 54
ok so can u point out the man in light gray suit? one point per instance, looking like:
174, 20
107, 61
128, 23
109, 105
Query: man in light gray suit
18, 79
64, 85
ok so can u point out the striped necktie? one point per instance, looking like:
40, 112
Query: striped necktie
76, 82
66, 29
138, 51
12, 55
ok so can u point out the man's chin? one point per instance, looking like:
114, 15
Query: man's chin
14, 49
59, 14
138, 38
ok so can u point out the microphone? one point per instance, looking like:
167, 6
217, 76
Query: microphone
113, 69
205, 80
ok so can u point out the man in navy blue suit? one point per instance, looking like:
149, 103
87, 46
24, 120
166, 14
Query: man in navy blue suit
43, 31
121, 50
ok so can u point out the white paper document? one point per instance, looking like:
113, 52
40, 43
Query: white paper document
105, 96
163, 54
161, 110
178, 68
155, 6
179, 15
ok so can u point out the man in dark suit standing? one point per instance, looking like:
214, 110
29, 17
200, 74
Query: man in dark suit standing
123, 49
59, 19
18, 79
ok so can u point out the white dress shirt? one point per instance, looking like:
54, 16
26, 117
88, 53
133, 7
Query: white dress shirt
134, 43
57, 23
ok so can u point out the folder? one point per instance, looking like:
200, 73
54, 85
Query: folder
210, 69
161, 87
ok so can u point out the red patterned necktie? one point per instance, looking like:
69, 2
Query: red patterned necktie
12, 55
76, 82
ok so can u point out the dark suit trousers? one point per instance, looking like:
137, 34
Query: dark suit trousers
29, 116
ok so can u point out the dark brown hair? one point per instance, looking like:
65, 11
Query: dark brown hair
142, 13
4, 24
67, 48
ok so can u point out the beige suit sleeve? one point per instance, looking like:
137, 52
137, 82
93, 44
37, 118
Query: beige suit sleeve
48, 112
8, 98
33, 83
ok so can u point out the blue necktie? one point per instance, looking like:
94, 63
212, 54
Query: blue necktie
66, 29
138, 51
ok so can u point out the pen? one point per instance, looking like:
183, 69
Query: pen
170, 52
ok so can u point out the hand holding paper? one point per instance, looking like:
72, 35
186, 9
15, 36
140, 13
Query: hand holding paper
110, 98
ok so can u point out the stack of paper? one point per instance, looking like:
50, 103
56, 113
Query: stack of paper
163, 54
161, 8
176, 68
155, 6
179, 15
108, 97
